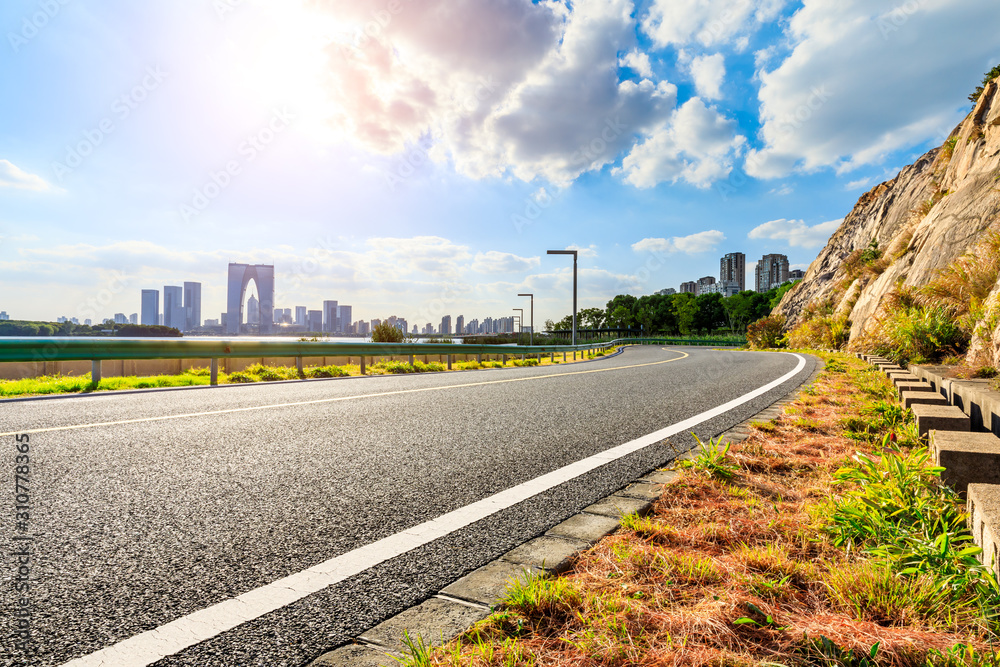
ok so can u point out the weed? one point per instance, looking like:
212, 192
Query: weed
712, 459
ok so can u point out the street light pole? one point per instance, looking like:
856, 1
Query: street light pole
520, 323
531, 336
574, 253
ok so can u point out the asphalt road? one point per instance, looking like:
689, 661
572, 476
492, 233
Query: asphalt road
167, 502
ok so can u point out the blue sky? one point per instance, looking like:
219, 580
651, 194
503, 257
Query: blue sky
418, 157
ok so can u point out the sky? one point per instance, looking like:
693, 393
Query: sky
418, 157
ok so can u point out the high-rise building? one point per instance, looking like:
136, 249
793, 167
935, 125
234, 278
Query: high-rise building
667, 292
4, 316
690, 287
445, 325
703, 284
286, 316
301, 314
772, 270
253, 310
460, 325
192, 306
133, 318
330, 323
173, 307
345, 315
240, 276
733, 269
796, 274
150, 307
314, 321
120, 318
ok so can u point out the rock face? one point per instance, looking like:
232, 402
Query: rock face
933, 212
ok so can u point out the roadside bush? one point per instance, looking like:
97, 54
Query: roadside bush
325, 372
765, 333
384, 333
525, 362
241, 377
826, 331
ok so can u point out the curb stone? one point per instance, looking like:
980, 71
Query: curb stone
439, 619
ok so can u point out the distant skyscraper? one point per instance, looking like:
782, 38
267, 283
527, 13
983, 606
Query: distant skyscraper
133, 318
173, 307
286, 316
445, 325
240, 276
344, 317
301, 315
253, 310
4, 316
460, 325
690, 287
733, 269
314, 320
192, 306
796, 274
150, 307
120, 318
772, 270
330, 316
278, 315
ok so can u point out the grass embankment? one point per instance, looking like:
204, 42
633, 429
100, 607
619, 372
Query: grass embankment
68, 384
825, 538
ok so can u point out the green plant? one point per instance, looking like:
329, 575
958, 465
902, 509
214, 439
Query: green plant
989, 76
712, 459
383, 332
325, 372
240, 377
765, 333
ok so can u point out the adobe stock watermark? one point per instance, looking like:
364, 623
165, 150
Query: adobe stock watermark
896, 18
88, 309
786, 125
121, 109
33, 24
418, 156
248, 151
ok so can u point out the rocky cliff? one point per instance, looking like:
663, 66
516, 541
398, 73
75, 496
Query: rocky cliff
931, 213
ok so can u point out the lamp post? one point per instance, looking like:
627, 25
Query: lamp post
569, 252
531, 334
520, 322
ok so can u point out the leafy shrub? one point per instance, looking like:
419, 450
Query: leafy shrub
992, 74
827, 331
272, 373
918, 334
525, 362
765, 333
433, 367
325, 372
383, 332
393, 367
712, 459
240, 377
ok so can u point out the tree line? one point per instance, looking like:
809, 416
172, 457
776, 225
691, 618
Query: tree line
25, 328
677, 314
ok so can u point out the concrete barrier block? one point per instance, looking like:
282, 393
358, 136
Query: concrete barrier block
966, 458
940, 418
919, 385
902, 376
984, 521
435, 620
911, 398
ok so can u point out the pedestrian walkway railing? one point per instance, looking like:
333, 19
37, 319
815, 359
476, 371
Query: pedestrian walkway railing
96, 350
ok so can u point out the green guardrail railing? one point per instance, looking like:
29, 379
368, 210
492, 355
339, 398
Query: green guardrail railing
96, 350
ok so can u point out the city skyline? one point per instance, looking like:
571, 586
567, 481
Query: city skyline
143, 159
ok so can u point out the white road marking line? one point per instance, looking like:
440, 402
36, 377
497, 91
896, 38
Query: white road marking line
186, 415
152, 645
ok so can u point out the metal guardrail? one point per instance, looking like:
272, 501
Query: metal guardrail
96, 350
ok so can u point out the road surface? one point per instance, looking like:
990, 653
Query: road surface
150, 507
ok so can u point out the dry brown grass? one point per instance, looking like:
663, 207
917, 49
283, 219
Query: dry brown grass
723, 573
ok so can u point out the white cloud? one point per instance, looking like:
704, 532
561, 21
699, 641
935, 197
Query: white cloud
12, 176
817, 111
785, 189
709, 73
697, 145
796, 232
694, 243
638, 62
707, 22
860, 183
584, 252
503, 262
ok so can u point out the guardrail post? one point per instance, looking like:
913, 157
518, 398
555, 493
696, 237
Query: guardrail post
564, 357
505, 360
411, 360
214, 373
479, 359
362, 364
298, 366
95, 371
449, 362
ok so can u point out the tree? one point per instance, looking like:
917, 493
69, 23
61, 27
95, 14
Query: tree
614, 318
992, 74
591, 318
685, 307
383, 332
550, 325
711, 313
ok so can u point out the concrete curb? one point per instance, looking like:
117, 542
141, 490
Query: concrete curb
471, 598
